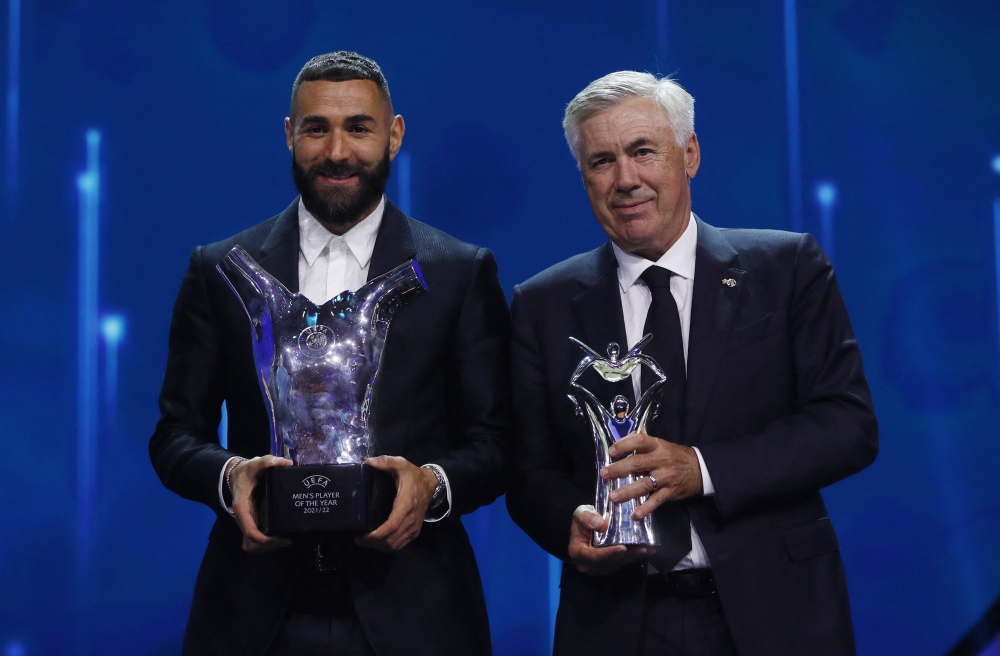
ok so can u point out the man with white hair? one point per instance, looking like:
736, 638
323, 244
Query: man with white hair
765, 404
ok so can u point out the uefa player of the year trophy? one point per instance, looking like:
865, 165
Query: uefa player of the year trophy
610, 423
317, 366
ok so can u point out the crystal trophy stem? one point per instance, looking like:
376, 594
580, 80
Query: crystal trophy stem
610, 423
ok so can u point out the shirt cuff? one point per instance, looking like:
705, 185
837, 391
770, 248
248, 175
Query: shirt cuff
707, 489
447, 492
222, 479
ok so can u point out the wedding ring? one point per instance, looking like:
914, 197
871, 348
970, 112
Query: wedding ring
652, 478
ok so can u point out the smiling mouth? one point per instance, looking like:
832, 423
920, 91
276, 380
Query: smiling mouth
628, 208
337, 181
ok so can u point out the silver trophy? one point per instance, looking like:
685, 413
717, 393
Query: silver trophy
610, 423
317, 366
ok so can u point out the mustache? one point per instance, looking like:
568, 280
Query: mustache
333, 169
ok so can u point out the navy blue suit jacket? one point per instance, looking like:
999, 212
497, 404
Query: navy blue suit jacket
777, 403
443, 397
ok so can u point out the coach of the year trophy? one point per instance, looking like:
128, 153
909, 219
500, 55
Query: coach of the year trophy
610, 423
317, 367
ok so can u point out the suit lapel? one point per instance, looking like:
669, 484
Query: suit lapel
599, 314
394, 244
279, 255
712, 310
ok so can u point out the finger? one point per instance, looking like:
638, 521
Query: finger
246, 521
633, 442
633, 490
365, 541
589, 554
387, 528
271, 545
405, 537
275, 461
630, 465
653, 502
386, 463
401, 507
590, 520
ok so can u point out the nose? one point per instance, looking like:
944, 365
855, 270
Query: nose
627, 175
336, 146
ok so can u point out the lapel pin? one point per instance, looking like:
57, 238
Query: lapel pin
728, 282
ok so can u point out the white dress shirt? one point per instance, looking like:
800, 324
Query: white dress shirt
636, 299
330, 264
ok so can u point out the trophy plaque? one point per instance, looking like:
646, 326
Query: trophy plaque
610, 423
317, 366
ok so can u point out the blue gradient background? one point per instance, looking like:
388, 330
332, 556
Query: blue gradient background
900, 109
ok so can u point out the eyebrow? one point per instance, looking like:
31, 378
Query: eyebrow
641, 141
356, 118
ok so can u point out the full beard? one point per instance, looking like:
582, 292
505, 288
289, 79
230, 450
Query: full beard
338, 205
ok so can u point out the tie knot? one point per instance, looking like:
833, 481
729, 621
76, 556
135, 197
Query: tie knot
656, 277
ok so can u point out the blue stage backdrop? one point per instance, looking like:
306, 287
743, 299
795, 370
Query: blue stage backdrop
135, 130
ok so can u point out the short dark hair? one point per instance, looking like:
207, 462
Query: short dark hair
341, 66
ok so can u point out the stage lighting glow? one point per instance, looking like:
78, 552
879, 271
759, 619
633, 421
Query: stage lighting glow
14, 648
89, 187
555, 574
113, 328
224, 427
13, 100
403, 198
996, 164
793, 114
826, 193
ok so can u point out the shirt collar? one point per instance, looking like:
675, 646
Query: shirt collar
679, 258
314, 237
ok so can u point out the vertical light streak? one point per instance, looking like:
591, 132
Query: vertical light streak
112, 330
13, 103
662, 34
403, 198
826, 196
996, 251
794, 129
224, 427
995, 165
89, 188
555, 572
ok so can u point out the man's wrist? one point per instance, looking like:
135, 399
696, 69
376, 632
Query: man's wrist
225, 495
440, 503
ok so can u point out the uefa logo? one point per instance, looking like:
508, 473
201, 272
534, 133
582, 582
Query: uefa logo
315, 341
315, 479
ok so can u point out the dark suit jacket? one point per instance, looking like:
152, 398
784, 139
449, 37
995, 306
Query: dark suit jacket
776, 402
443, 398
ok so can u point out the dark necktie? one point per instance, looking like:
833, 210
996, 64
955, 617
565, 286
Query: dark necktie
667, 348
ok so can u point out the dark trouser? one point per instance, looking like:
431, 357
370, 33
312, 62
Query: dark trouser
321, 621
683, 620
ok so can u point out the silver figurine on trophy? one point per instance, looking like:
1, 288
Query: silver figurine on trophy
610, 423
317, 366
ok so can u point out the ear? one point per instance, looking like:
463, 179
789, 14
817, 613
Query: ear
396, 131
289, 133
692, 156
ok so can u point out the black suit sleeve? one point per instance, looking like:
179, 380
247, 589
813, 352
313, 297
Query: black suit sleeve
542, 496
185, 448
830, 431
478, 460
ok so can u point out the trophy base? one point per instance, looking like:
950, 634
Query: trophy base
313, 500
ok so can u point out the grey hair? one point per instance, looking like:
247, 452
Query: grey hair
616, 88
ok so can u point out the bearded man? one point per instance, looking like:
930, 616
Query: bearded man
411, 586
